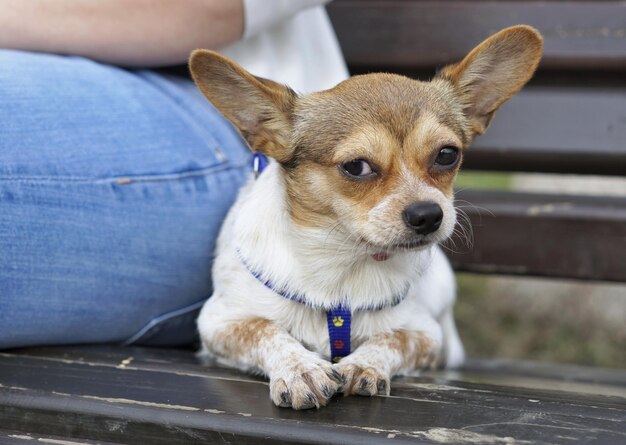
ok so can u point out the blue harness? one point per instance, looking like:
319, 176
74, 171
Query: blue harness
339, 317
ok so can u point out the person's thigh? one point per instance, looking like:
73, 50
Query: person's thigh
113, 187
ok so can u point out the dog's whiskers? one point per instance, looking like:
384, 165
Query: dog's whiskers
464, 228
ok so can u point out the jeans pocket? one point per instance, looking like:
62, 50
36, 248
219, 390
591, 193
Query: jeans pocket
174, 328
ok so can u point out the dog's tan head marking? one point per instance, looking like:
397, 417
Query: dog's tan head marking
363, 155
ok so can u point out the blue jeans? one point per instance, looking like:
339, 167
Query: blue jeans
113, 187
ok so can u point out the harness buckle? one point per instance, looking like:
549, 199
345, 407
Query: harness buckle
259, 162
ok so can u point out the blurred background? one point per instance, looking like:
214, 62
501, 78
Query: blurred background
553, 320
544, 189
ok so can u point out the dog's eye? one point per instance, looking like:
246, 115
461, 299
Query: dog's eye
447, 156
358, 168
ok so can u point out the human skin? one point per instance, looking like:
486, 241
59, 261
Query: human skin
133, 33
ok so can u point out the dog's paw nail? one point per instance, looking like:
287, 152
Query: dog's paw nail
337, 376
342, 386
327, 391
310, 401
285, 399
381, 386
363, 388
280, 394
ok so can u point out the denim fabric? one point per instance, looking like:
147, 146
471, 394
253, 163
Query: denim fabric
113, 186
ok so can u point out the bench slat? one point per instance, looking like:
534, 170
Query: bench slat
578, 34
83, 395
26, 438
552, 130
562, 236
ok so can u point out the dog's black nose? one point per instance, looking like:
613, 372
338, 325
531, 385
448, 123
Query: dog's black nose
423, 217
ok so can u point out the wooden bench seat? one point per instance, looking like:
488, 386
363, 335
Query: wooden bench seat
153, 396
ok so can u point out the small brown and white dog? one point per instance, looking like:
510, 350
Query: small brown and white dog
328, 277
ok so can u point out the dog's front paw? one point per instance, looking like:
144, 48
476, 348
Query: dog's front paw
304, 384
362, 379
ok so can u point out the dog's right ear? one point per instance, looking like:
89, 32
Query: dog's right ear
494, 71
260, 109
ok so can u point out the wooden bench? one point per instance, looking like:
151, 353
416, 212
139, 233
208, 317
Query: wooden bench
570, 119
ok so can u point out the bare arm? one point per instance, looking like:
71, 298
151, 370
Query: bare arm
125, 32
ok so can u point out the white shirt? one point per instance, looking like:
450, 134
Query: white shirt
291, 42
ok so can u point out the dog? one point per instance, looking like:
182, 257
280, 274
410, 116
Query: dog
328, 276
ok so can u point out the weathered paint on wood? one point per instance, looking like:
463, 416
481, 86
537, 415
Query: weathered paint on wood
21, 438
131, 395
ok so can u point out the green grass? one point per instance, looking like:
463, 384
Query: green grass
488, 180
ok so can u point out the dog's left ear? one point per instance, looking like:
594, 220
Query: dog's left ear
494, 71
260, 109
